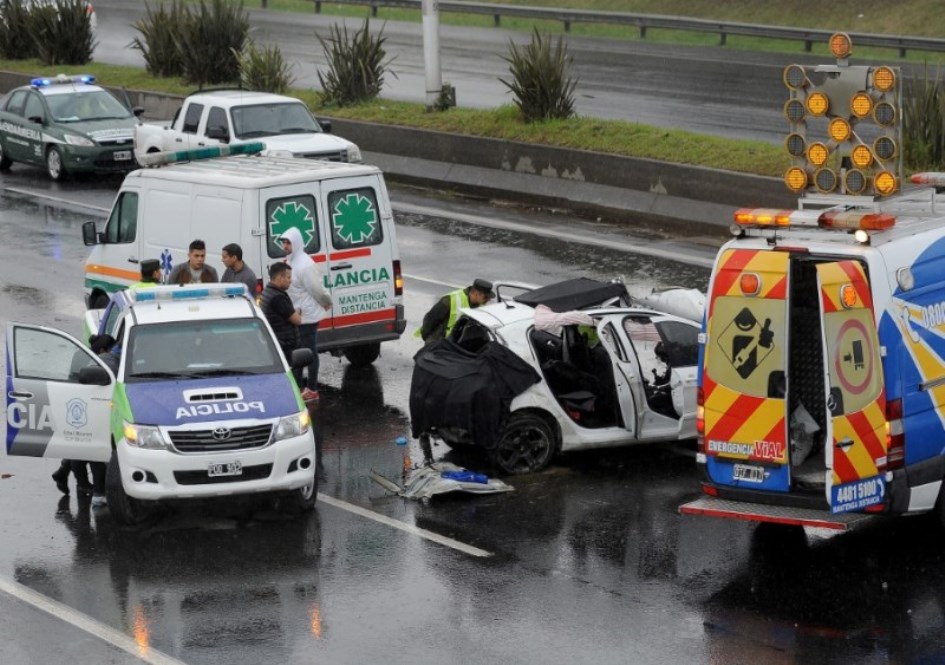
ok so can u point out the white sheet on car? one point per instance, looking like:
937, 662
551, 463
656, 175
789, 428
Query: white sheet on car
427, 481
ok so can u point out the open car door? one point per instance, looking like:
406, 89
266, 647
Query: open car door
626, 371
50, 412
855, 397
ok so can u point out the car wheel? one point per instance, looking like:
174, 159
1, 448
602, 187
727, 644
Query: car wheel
526, 445
54, 167
125, 510
99, 301
363, 354
5, 161
303, 499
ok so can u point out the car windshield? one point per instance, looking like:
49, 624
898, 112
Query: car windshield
85, 106
272, 119
200, 349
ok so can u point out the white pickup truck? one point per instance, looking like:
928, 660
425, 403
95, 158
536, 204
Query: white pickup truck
284, 124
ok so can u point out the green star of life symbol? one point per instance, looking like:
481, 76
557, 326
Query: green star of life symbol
292, 214
354, 218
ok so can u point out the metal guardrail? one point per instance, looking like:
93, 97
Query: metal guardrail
644, 22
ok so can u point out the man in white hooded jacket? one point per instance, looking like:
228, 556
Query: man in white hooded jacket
310, 297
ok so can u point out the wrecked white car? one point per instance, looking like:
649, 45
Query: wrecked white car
525, 384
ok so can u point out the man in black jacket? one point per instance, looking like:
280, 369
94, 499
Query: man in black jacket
279, 310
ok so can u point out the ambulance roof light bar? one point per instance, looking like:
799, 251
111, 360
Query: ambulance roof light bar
850, 220
164, 293
210, 152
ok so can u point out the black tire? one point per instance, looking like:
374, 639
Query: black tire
99, 301
301, 500
363, 354
527, 444
5, 162
123, 509
55, 169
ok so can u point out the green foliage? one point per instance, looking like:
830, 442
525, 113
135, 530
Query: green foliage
159, 38
264, 69
356, 65
541, 81
61, 32
923, 123
15, 41
209, 39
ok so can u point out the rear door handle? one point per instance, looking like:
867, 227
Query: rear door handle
341, 266
844, 443
20, 394
132, 259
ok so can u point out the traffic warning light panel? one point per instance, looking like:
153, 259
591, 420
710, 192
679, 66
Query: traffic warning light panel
845, 126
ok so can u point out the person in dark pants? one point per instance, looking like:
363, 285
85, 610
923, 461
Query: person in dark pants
281, 313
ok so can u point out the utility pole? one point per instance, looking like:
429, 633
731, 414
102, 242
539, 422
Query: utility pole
431, 52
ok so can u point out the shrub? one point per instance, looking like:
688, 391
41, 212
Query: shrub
220, 29
923, 123
541, 80
159, 38
15, 41
356, 65
61, 32
264, 69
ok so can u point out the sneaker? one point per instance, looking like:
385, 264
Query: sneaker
310, 395
61, 484
99, 500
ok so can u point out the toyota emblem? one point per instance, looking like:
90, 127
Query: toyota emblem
221, 433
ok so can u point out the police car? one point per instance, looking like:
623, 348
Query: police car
202, 405
629, 378
68, 125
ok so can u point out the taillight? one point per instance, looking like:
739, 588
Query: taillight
259, 286
895, 436
700, 420
398, 280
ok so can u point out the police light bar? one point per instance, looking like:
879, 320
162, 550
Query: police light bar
935, 179
62, 78
187, 292
211, 152
832, 219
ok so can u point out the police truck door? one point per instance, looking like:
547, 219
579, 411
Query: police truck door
856, 401
49, 412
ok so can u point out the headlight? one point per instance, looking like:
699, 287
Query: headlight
144, 436
75, 139
354, 154
280, 153
294, 425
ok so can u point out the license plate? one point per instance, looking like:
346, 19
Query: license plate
122, 155
749, 473
225, 469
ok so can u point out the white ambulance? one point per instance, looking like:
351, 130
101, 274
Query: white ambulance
228, 194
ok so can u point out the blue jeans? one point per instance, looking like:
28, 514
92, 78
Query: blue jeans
308, 339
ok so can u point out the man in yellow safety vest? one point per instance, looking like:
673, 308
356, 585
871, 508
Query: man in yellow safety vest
441, 318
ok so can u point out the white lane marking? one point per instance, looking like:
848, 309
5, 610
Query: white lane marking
55, 199
403, 526
92, 626
613, 244
479, 220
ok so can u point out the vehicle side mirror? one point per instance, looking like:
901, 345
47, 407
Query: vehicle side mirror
94, 376
325, 125
218, 133
138, 111
90, 236
302, 358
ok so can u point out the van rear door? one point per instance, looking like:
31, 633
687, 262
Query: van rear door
743, 380
359, 267
856, 400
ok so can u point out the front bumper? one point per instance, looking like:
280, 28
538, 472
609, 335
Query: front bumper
98, 158
154, 475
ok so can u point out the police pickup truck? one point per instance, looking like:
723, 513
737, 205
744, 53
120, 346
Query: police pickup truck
203, 403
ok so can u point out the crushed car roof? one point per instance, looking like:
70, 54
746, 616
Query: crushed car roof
571, 294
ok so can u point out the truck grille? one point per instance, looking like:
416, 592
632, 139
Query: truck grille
221, 438
255, 472
341, 156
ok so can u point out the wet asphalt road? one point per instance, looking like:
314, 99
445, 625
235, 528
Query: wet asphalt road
587, 561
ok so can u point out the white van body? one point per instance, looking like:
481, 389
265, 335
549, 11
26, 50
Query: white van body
343, 209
